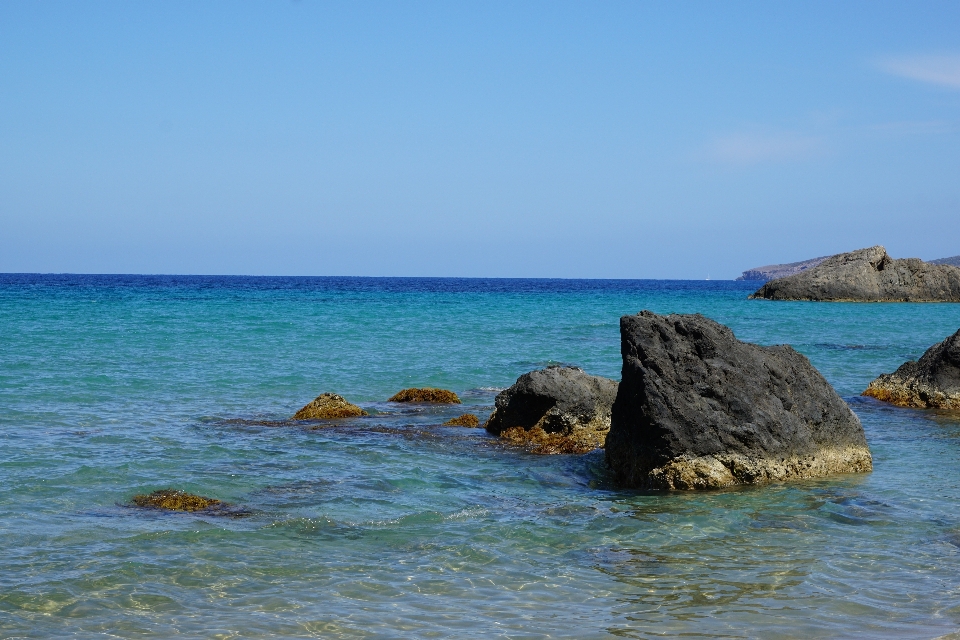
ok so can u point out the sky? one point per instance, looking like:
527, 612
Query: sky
491, 139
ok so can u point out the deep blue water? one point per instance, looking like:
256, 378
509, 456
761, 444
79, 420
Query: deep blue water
393, 526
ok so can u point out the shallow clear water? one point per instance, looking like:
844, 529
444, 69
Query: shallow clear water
392, 526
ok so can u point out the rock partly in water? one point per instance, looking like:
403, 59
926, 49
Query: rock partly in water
174, 500
698, 409
329, 406
868, 275
933, 382
426, 394
555, 410
774, 271
466, 420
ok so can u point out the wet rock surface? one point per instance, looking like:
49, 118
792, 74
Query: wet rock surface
699, 409
868, 275
329, 406
932, 382
425, 394
555, 410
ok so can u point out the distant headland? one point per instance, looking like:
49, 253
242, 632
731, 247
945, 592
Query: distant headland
867, 275
774, 271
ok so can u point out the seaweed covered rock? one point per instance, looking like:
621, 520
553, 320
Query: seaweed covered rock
466, 420
329, 406
425, 394
932, 382
868, 275
174, 500
698, 409
555, 410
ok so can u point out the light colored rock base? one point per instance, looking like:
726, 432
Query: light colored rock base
910, 392
715, 472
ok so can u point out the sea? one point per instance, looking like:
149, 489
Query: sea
394, 526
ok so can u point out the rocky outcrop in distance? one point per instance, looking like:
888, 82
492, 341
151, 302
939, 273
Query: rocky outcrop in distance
425, 394
774, 271
329, 406
868, 275
698, 409
932, 382
555, 410
954, 261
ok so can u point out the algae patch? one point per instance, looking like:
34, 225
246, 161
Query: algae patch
174, 500
466, 420
426, 394
329, 406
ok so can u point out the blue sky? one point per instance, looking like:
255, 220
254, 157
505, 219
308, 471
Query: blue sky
623, 140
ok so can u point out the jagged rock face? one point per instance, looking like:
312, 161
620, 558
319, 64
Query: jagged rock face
868, 275
698, 409
933, 382
329, 406
555, 410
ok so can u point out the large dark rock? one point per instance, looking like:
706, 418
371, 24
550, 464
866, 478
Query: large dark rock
698, 409
933, 382
555, 410
868, 275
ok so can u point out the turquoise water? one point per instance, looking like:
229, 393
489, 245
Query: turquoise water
391, 526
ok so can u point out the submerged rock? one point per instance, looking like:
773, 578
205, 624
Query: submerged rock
932, 382
868, 275
698, 409
329, 406
174, 500
555, 410
426, 394
466, 420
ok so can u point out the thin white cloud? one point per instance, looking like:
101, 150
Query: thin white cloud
760, 148
943, 70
